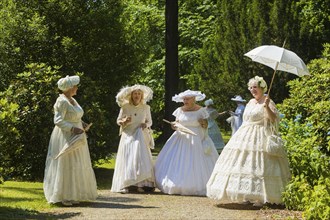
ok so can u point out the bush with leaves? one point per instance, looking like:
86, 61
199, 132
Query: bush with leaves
305, 128
26, 115
28, 121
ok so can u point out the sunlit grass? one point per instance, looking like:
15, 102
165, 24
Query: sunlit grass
24, 195
22, 200
108, 164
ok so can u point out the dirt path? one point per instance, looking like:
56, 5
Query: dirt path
161, 206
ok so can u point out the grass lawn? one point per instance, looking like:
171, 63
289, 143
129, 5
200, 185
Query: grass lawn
22, 200
26, 200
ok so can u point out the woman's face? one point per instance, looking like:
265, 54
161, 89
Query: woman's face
189, 101
256, 91
73, 90
137, 96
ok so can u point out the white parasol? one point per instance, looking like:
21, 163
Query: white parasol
74, 143
278, 58
180, 127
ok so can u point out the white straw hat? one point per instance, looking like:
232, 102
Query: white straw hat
189, 93
68, 82
124, 95
238, 98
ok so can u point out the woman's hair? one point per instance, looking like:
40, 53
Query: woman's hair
131, 99
259, 81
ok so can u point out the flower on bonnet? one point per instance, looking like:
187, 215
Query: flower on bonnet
260, 82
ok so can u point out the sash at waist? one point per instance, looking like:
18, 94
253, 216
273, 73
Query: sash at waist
260, 122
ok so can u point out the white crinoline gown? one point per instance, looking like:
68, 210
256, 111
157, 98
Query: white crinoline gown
186, 161
71, 176
244, 170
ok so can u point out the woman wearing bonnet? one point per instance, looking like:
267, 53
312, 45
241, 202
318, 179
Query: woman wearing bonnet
186, 161
247, 171
69, 178
134, 168
213, 128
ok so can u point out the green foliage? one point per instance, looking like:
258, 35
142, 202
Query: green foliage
144, 29
240, 26
305, 129
26, 121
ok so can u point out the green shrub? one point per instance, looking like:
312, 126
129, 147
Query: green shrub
27, 121
305, 129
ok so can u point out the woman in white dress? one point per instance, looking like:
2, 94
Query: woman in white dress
236, 118
213, 128
68, 178
134, 168
186, 161
245, 171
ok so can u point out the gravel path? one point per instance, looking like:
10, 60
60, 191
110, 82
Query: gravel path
161, 206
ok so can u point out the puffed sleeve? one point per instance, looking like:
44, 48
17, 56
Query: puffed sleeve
214, 114
177, 112
204, 113
272, 106
148, 116
60, 109
120, 116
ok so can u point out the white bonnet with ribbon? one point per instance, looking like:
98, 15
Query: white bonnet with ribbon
68, 82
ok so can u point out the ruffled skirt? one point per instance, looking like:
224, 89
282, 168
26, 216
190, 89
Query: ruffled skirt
71, 176
246, 172
133, 163
185, 164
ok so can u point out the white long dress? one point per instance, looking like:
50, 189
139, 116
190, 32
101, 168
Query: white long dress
244, 170
186, 161
213, 128
134, 160
71, 176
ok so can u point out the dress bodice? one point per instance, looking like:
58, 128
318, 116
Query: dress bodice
254, 112
139, 114
67, 115
190, 118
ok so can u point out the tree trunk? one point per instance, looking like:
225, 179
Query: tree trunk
171, 62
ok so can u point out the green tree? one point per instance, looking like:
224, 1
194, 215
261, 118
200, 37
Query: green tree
244, 25
76, 36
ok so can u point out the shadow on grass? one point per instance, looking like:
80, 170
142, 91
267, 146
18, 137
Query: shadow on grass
17, 213
34, 190
103, 177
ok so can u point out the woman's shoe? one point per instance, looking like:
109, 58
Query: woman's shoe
124, 191
244, 203
258, 204
149, 189
66, 203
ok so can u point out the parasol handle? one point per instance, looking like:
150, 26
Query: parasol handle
167, 121
271, 82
